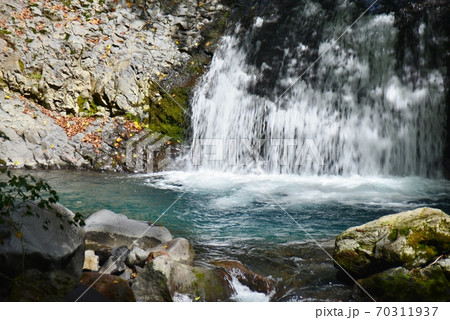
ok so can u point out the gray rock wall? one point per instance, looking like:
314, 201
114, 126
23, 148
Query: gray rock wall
98, 57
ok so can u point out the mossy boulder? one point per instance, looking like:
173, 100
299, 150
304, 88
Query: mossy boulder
200, 284
197, 283
431, 283
409, 239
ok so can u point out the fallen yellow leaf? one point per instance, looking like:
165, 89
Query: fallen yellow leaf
197, 298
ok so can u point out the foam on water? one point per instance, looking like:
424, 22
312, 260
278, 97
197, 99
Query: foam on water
236, 190
245, 294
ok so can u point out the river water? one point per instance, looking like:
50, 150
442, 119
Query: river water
235, 216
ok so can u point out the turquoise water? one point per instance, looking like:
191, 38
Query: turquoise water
223, 209
227, 216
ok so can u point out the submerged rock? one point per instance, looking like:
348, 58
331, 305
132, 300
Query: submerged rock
410, 239
106, 229
399, 257
61, 247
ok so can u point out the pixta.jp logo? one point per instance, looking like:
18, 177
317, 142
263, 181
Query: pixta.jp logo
148, 152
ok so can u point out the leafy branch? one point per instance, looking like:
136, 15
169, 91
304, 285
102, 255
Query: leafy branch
26, 188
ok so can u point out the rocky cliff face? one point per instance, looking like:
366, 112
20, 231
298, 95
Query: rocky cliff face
99, 57
67, 67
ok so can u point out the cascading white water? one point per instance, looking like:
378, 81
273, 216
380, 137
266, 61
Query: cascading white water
358, 117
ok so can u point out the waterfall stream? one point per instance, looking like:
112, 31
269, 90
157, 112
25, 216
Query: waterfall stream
265, 106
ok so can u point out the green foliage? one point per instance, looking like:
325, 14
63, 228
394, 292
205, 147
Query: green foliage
36, 75
166, 115
4, 32
132, 117
91, 110
2, 83
21, 65
22, 189
81, 101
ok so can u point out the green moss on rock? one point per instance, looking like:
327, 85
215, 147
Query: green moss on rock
400, 284
166, 111
410, 239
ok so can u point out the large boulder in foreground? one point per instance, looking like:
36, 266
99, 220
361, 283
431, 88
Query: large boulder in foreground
399, 257
61, 247
409, 239
106, 229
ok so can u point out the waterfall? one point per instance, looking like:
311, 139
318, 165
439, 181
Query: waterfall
359, 109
